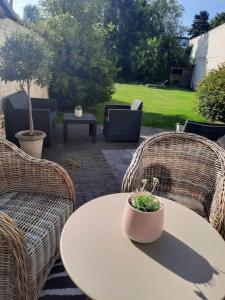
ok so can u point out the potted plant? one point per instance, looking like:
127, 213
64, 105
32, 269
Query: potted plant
25, 58
78, 111
143, 215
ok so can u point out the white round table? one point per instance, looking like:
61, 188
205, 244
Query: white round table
187, 262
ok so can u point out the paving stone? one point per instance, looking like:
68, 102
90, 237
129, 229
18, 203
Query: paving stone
94, 173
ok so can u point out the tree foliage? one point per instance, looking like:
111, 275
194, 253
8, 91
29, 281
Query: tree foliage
82, 72
211, 94
25, 58
31, 14
200, 24
152, 62
142, 38
218, 20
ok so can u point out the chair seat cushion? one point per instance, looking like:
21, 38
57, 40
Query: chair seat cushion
190, 203
41, 219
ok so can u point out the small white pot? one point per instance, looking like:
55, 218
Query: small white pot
31, 144
78, 113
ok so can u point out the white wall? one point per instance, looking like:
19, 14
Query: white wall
207, 53
8, 26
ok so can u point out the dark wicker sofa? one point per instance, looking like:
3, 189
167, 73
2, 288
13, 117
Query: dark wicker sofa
15, 107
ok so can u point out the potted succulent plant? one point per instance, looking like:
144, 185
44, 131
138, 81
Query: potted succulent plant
25, 58
78, 111
143, 216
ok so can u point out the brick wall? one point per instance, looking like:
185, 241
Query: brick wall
8, 26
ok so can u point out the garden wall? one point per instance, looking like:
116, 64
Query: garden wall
8, 26
208, 51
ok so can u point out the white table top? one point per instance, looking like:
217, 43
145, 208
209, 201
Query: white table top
187, 262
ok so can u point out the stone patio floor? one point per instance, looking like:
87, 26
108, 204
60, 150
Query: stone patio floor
96, 169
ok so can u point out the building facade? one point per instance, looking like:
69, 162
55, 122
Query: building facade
9, 22
208, 51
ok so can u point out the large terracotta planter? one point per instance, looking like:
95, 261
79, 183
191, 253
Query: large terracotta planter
31, 144
142, 227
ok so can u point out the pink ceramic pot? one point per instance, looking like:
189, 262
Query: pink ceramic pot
142, 227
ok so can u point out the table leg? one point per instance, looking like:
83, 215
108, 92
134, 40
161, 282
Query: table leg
65, 132
90, 129
94, 129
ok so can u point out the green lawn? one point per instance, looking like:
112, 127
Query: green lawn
162, 108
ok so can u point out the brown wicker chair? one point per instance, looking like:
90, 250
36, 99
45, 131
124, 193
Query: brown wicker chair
36, 198
190, 169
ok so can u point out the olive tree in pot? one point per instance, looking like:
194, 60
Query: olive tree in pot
143, 216
25, 58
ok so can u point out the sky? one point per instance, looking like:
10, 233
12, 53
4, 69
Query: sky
191, 7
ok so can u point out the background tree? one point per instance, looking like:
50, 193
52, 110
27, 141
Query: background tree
135, 42
200, 24
218, 20
82, 72
128, 25
31, 14
25, 58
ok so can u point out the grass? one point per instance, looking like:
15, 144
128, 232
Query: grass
162, 108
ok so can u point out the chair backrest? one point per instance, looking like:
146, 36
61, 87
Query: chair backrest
186, 165
210, 131
18, 100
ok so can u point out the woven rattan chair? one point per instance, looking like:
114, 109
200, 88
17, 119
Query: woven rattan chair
36, 198
190, 169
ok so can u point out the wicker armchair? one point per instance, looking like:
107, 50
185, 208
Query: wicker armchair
190, 170
36, 198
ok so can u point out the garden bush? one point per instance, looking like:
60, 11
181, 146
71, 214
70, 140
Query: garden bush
82, 72
211, 94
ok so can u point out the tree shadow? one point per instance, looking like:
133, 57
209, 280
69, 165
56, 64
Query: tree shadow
179, 258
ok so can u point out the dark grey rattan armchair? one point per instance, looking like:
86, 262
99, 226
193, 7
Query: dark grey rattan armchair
121, 123
210, 131
15, 107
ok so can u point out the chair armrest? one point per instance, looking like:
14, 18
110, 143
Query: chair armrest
44, 103
21, 172
217, 206
123, 115
41, 113
14, 259
35, 111
114, 106
221, 141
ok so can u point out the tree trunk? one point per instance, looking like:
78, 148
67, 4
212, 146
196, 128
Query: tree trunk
31, 124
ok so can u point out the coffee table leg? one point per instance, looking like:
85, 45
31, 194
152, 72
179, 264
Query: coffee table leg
94, 129
90, 129
65, 132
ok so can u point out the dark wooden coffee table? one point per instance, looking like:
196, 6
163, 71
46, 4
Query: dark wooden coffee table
69, 118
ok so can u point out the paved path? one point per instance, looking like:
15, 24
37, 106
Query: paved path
96, 169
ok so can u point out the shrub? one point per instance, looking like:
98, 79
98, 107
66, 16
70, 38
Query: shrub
211, 94
82, 72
